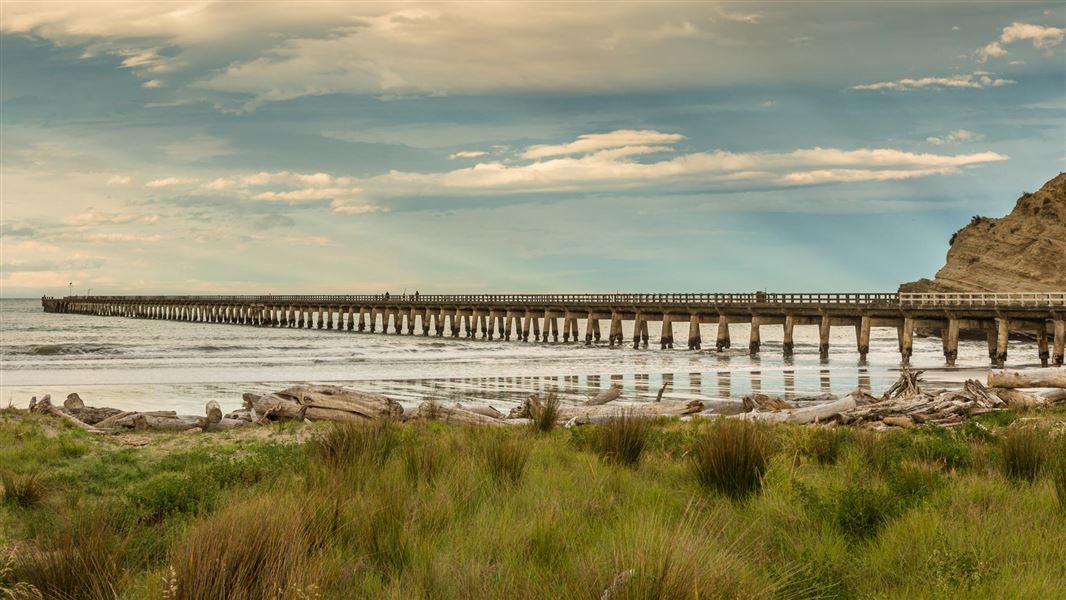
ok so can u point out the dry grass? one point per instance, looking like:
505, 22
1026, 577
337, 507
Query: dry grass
84, 557
731, 457
622, 438
254, 549
352, 442
505, 455
23, 490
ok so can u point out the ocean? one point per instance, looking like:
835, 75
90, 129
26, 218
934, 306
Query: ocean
136, 364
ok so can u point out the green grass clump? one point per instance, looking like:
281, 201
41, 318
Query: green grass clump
545, 415
862, 508
505, 456
1058, 476
826, 443
731, 457
1023, 453
352, 442
167, 494
622, 438
23, 490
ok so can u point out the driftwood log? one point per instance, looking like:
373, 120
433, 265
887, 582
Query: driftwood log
213, 411
1029, 378
44, 406
607, 395
807, 414
322, 403
764, 403
431, 411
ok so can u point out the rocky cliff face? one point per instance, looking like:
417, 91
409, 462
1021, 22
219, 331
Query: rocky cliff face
1024, 251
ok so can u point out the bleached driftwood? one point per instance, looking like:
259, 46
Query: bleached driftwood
944, 407
764, 403
482, 409
607, 395
213, 411
337, 398
44, 406
1029, 378
73, 401
453, 414
143, 422
1020, 398
807, 414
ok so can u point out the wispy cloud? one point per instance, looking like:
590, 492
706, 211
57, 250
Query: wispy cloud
959, 135
975, 81
591, 142
119, 180
467, 154
168, 182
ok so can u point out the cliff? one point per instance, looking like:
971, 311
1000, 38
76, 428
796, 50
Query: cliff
1024, 251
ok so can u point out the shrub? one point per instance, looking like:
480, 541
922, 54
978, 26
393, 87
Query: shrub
258, 548
1023, 453
353, 441
861, 510
937, 445
825, 443
22, 489
622, 438
83, 557
731, 457
505, 458
544, 416
166, 494
913, 481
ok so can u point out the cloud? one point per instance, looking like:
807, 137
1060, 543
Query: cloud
198, 147
119, 180
168, 182
602, 141
98, 238
152, 84
467, 154
9, 230
959, 135
1042, 38
306, 194
92, 219
976, 80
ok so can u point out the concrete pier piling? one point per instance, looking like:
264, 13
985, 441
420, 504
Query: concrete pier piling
520, 316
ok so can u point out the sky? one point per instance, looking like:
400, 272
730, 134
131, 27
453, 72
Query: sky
333, 147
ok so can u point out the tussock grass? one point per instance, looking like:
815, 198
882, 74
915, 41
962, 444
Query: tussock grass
83, 557
622, 438
505, 455
23, 490
258, 548
731, 457
346, 443
544, 416
826, 443
1023, 453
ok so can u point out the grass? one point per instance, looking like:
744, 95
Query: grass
431, 510
731, 458
23, 490
544, 416
622, 438
1024, 452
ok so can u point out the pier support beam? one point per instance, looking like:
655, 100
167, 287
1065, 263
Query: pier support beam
1060, 342
950, 336
723, 334
588, 329
616, 330
823, 337
694, 340
1041, 345
639, 325
754, 341
1002, 337
787, 344
666, 336
863, 337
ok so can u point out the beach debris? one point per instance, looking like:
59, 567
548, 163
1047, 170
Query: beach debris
659, 395
764, 403
432, 411
322, 403
607, 395
44, 406
1028, 378
807, 414
73, 402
